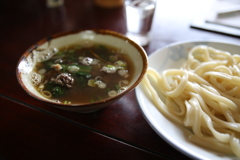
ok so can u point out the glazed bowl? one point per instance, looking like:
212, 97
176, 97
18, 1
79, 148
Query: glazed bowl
29, 58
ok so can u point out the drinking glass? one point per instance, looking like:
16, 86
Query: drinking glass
139, 15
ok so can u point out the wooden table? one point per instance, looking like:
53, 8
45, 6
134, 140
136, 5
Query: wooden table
32, 130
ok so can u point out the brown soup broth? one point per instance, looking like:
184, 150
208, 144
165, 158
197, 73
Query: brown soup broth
80, 91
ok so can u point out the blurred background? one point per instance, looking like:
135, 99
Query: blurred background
173, 18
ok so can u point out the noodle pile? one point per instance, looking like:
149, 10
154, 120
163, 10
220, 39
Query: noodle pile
204, 96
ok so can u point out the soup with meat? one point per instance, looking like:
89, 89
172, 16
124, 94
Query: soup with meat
82, 73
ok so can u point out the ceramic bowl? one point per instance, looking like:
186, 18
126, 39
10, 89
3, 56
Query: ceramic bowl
28, 61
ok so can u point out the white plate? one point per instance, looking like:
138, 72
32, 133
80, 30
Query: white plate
173, 56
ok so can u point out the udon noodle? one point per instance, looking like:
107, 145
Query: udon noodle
203, 96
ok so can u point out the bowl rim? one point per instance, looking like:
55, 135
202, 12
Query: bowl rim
139, 48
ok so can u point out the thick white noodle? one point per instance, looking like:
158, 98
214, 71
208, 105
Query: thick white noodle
203, 95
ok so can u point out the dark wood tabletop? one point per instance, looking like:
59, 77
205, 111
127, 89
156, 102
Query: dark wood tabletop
32, 130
